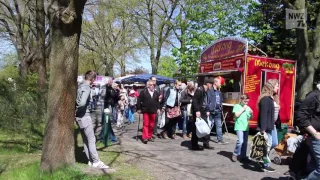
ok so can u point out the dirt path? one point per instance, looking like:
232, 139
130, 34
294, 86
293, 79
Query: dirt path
172, 159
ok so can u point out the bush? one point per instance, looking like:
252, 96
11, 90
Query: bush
22, 108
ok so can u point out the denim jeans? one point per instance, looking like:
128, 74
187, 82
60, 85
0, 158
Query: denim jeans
185, 122
315, 148
242, 143
217, 121
131, 114
274, 134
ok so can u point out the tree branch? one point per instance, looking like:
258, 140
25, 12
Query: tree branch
287, 4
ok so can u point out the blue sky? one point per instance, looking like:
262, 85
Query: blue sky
144, 57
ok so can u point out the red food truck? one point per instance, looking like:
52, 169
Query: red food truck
245, 73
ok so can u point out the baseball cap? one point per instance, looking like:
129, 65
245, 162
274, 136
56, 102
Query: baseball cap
206, 81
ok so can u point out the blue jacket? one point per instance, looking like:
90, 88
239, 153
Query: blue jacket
211, 93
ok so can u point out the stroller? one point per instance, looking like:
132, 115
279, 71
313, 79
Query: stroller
298, 165
282, 148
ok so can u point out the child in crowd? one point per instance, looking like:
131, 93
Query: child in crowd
121, 106
132, 103
242, 114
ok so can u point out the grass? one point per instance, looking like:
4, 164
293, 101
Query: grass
20, 160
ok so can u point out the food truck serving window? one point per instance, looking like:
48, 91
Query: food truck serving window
232, 87
232, 82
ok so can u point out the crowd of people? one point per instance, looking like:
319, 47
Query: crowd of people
205, 102
188, 102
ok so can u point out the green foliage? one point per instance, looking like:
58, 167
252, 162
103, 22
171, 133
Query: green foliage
167, 66
200, 22
89, 61
9, 72
267, 18
21, 106
9, 60
32, 171
16, 164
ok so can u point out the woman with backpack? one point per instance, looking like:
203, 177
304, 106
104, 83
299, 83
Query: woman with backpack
172, 108
268, 118
242, 114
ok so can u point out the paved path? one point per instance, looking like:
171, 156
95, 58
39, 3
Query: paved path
172, 159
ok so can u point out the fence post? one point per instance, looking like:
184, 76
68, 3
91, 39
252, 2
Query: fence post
106, 127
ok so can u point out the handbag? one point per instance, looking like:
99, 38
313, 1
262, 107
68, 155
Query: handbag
202, 128
173, 112
161, 120
189, 113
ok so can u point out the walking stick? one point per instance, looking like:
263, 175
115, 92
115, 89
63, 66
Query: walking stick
138, 127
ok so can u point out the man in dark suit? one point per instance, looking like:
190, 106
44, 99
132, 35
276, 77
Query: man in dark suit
199, 105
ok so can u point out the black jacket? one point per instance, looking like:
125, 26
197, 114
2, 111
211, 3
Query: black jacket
111, 97
185, 99
309, 111
266, 114
148, 104
199, 100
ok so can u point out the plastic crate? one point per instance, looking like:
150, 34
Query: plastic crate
282, 132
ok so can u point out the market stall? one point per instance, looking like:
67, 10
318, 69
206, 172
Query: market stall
245, 73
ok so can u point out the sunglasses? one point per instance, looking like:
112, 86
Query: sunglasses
151, 84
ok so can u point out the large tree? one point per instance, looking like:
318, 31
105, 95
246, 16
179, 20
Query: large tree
22, 23
267, 17
153, 19
307, 46
65, 22
41, 41
110, 34
199, 22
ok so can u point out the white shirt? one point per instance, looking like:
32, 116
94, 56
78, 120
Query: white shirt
151, 92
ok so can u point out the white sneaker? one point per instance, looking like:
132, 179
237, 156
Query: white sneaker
90, 163
100, 165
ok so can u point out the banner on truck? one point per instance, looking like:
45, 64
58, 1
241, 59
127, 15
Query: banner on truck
224, 48
220, 65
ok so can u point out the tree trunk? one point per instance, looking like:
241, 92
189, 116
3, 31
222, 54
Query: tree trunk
109, 69
23, 65
307, 59
155, 62
305, 71
154, 67
123, 65
123, 44
41, 36
58, 142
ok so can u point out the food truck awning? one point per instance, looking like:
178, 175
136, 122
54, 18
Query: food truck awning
220, 72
